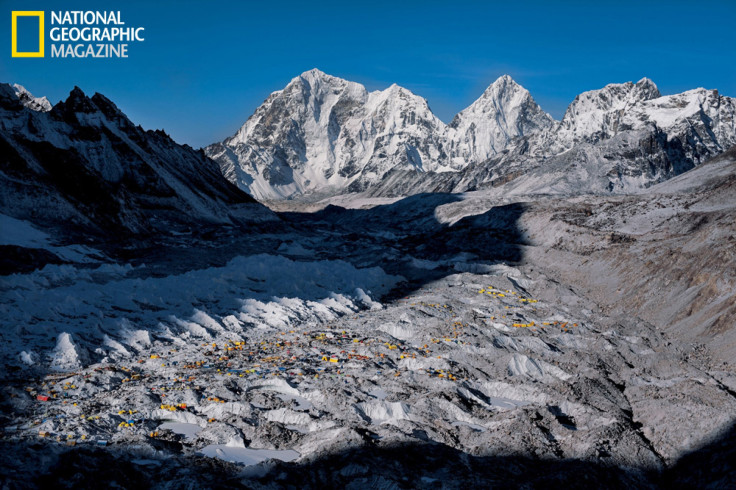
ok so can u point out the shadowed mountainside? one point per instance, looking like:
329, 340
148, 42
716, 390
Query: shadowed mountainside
403, 466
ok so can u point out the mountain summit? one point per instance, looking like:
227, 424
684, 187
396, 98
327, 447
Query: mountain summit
323, 134
597, 114
34, 103
505, 111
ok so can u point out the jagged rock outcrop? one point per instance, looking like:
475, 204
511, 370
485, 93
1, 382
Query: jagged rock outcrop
82, 165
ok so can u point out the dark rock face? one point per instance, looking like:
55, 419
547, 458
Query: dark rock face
84, 167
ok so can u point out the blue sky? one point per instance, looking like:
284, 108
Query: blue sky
205, 66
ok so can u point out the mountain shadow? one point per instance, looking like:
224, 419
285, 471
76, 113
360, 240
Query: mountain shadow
419, 464
409, 239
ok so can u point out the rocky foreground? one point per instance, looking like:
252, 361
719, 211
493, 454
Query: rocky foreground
519, 340
474, 366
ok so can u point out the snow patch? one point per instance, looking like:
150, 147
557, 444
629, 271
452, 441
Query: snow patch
383, 412
189, 431
66, 355
521, 365
247, 456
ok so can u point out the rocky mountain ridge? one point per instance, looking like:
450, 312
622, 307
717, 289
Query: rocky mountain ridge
322, 135
82, 164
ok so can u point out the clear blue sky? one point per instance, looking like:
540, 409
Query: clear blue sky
205, 66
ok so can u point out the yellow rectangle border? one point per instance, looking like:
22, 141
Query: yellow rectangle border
14, 47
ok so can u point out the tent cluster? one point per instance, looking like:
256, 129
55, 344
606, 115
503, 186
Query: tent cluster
432, 305
174, 408
203, 381
441, 373
90, 405
507, 295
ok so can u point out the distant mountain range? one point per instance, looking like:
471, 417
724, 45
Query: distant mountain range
322, 135
82, 163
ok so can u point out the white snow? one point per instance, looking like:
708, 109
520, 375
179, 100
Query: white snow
505, 111
247, 456
383, 412
599, 112
346, 133
288, 417
41, 104
23, 234
189, 431
262, 291
278, 385
322, 135
521, 365
66, 355
29, 358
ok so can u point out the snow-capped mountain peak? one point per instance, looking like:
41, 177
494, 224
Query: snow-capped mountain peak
323, 135
41, 104
504, 111
614, 96
648, 88
323, 132
596, 115
503, 86
99, 173
500, 98
316, 75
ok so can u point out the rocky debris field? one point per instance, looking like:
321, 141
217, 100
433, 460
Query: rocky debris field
504, 364
438, 341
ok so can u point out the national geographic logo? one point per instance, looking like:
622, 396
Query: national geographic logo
73, 34
31, 33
